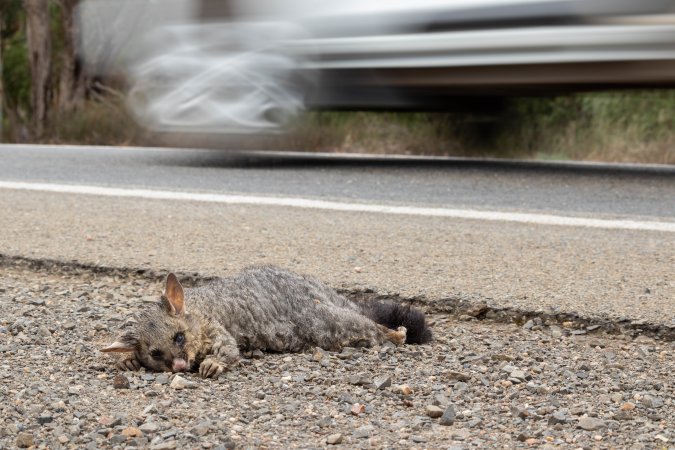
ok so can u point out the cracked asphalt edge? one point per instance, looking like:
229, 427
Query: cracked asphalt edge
470, 307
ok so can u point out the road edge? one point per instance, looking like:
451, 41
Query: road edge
461, 309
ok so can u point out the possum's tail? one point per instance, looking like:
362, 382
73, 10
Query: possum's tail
393, 315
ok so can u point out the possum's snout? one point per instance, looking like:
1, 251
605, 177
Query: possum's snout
179, 365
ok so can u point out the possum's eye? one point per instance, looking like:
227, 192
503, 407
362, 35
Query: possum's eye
179, 339
156, 354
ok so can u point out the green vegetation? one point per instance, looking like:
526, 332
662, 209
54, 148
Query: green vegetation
630, 126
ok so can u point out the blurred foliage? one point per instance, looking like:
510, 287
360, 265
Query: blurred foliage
623, 126
15, 68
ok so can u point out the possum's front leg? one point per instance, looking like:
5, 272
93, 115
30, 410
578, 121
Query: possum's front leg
222, 353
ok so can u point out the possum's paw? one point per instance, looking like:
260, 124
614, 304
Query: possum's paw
398, 337
211, 367
129, 364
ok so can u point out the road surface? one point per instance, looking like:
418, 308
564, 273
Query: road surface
592, 241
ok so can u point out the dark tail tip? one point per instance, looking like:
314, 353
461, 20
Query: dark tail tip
393, 315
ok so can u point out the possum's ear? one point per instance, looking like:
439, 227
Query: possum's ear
174, 295
124, 343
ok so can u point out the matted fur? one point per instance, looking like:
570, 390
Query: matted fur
263, 308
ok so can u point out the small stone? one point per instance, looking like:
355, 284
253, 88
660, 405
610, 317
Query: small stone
179, 383
201, 429
132, 432
167, 445
45, 418
448, 417
557, 417
118, 439
360, 379
651, 401
63, 439
120, 382
69, 326
417, 438
149, 427
457, 376
433, 411
381, 382
319, 354
519, 375
257, 354
628, 406
24, 440
403, 389
358, 408
109, 421
616, 397
334, 439
363, 432
591, 423
440, 400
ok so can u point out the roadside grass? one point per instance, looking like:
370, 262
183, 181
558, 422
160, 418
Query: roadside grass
611, 127
98, 123
635, 126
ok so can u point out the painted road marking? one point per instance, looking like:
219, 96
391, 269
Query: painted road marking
297, 202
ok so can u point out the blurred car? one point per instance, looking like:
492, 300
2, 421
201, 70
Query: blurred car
251, 65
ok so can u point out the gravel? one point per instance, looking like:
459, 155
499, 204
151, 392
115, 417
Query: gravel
480, 384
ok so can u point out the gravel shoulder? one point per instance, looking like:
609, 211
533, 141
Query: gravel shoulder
480, 384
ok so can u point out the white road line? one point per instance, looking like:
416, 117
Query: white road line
296, 202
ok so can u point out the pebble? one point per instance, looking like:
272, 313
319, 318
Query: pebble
24, 440
382, 382
357, 409
132, 432
149, 427
433, 411
403, 389
591, 423
121, 382
180, 383
448, 416
334, 439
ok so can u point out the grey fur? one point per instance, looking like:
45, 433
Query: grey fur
264, 308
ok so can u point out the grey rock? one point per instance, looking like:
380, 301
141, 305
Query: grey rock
448, 417
334, 439
360, 379
149, 427
363, 432
382, 382
457, 376
591, 423
44, 418
651, 401
557, 417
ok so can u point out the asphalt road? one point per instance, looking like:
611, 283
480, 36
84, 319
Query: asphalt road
587, 190
597, 273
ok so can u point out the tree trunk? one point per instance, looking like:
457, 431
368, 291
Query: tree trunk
39, 56
71, 83
2, 88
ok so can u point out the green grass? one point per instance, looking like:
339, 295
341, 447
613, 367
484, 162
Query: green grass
614, 127
617, 127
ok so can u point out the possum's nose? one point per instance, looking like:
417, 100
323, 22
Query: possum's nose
179, 365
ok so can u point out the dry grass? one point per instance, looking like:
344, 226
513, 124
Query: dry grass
612, 127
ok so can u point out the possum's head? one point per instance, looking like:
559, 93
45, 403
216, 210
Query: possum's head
164, 337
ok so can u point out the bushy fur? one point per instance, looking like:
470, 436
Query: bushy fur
263, 308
